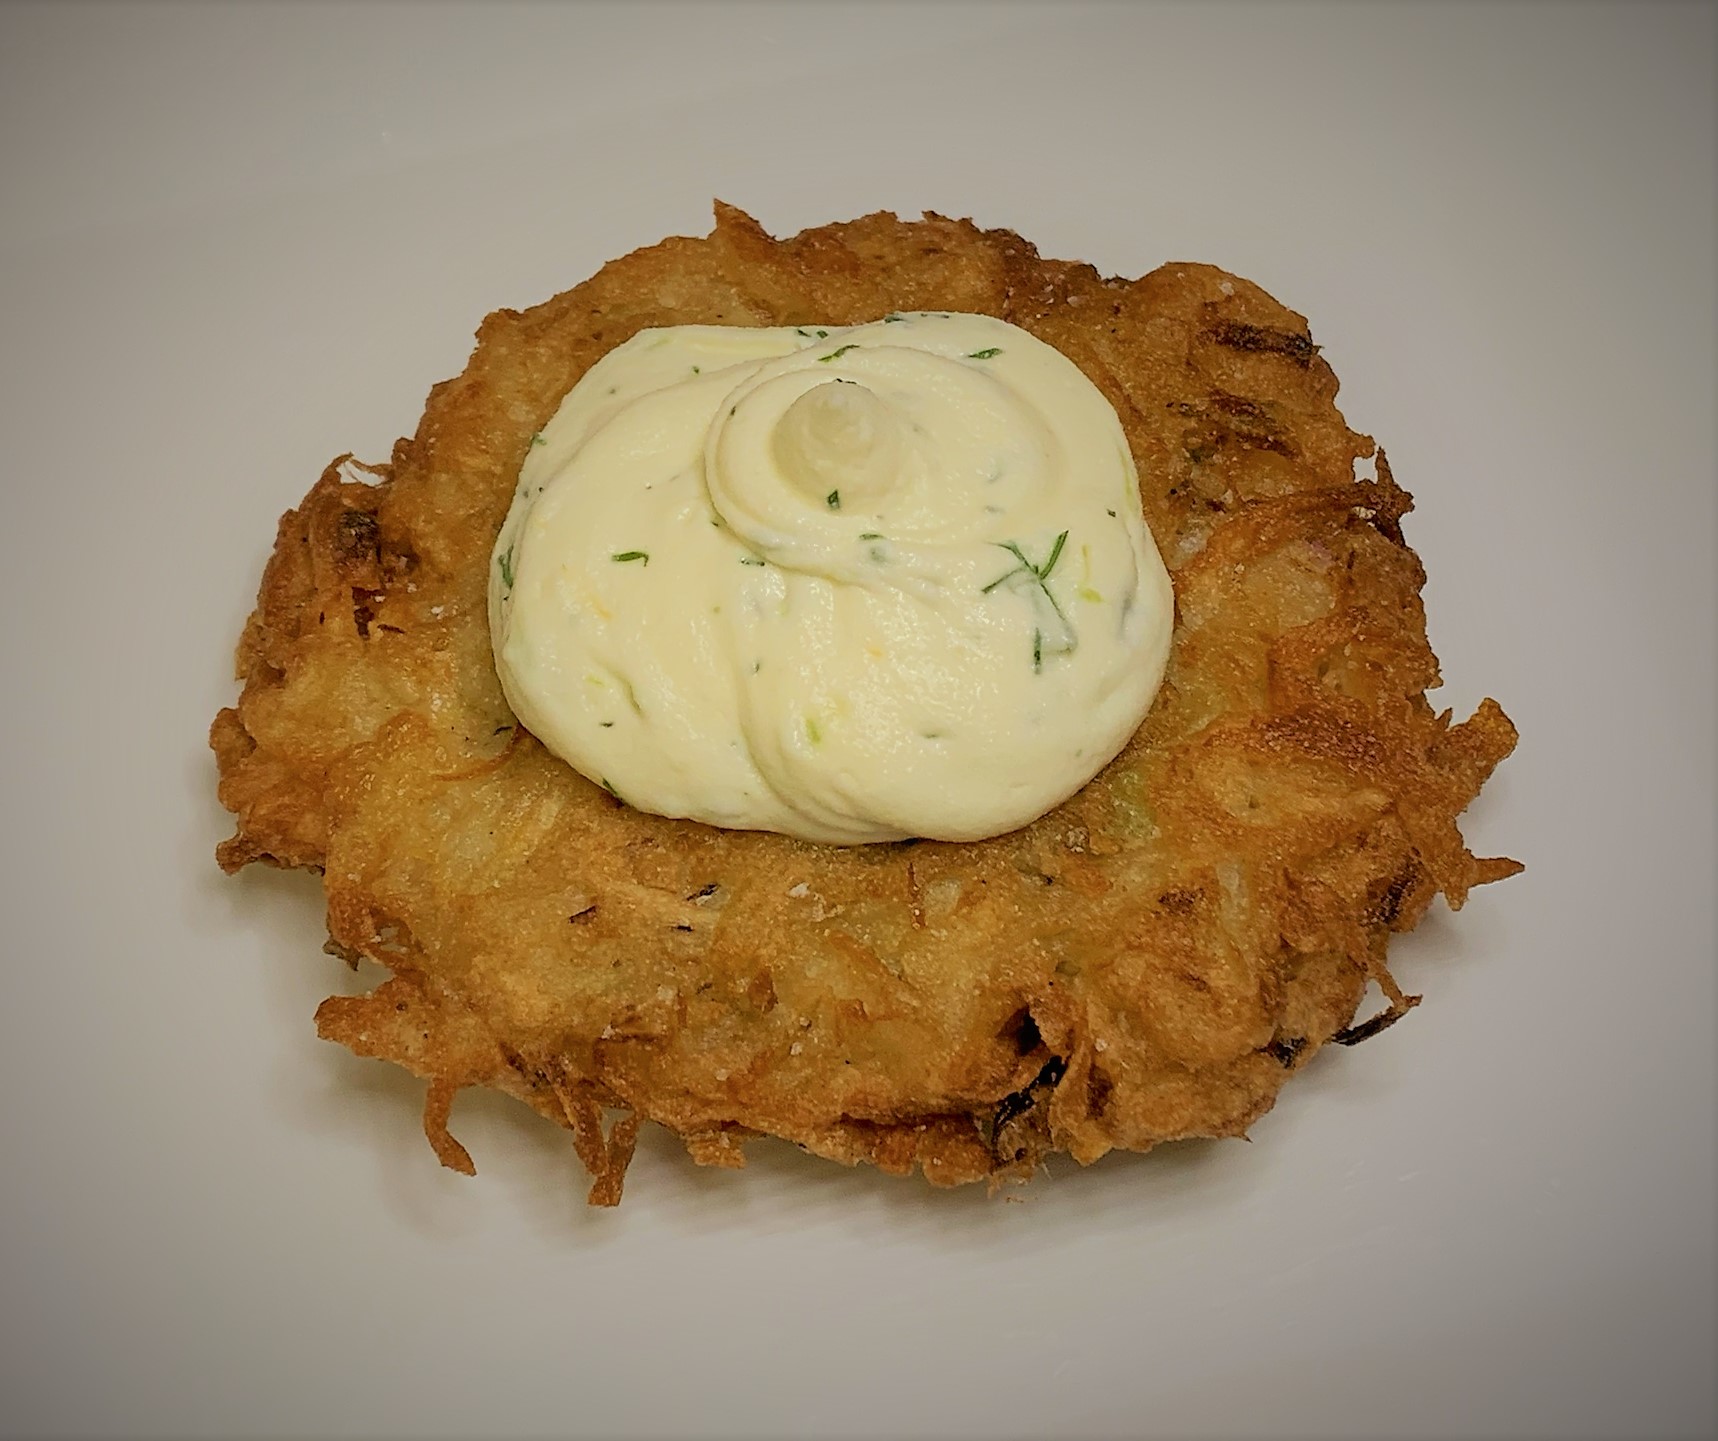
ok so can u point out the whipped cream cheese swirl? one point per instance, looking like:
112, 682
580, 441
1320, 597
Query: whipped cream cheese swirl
852, 585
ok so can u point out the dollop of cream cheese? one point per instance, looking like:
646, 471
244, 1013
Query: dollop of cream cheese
852, 584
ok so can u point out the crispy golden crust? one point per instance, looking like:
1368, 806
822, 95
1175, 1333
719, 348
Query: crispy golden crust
1149, 961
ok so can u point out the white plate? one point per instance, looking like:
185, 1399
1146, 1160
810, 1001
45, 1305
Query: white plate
236, 241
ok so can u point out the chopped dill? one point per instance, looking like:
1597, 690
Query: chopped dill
625, 555
837, 353
1040, 574
833, 500
506, 565
985, 354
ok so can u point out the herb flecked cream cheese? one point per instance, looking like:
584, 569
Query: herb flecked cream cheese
852, 585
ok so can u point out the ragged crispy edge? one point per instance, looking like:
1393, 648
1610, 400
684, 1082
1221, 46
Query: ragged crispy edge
400, 1022
327, 560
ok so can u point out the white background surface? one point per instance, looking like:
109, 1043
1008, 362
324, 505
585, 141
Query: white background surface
237, 241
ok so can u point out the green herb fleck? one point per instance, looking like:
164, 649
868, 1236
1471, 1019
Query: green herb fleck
1040, 574
985, 354
537, 439
870, 535
833, 500
506, 564
801, 330
605, 724
610, 789
751, 560
813, 732
891, 319
625, 555
837, 353
696, 371
1111, 514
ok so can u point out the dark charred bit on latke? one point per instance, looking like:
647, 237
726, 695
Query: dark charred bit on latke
1149, 961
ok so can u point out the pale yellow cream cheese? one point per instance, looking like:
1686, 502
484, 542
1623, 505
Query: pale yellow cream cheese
852, 585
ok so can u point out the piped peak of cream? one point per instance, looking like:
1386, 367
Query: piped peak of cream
852, 585
841, 444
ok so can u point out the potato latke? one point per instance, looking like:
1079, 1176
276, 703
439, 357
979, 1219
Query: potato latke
1147, 962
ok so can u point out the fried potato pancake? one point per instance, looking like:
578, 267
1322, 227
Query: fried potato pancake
1149, 961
